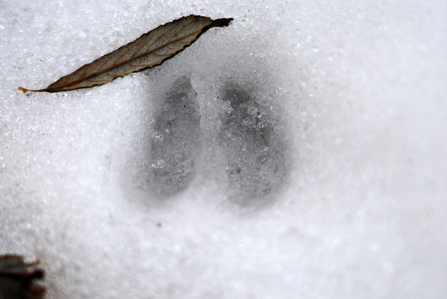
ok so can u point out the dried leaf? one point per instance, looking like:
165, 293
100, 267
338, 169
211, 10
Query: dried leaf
147, 51
16, 279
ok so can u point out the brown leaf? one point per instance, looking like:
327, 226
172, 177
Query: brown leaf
16, 279
147, 51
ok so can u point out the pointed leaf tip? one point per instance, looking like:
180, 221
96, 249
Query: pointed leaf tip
222, 22
147, 51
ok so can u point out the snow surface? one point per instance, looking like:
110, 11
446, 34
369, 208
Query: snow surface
309, 159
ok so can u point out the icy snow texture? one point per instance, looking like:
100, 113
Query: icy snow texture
176, 141
353, 95
253, 150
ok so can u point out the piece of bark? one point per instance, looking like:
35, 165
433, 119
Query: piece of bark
17, 278
147, 51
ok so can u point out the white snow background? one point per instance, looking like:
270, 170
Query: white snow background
353, 93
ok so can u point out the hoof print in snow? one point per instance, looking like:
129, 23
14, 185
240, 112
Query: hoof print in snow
175, 141
252, 146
